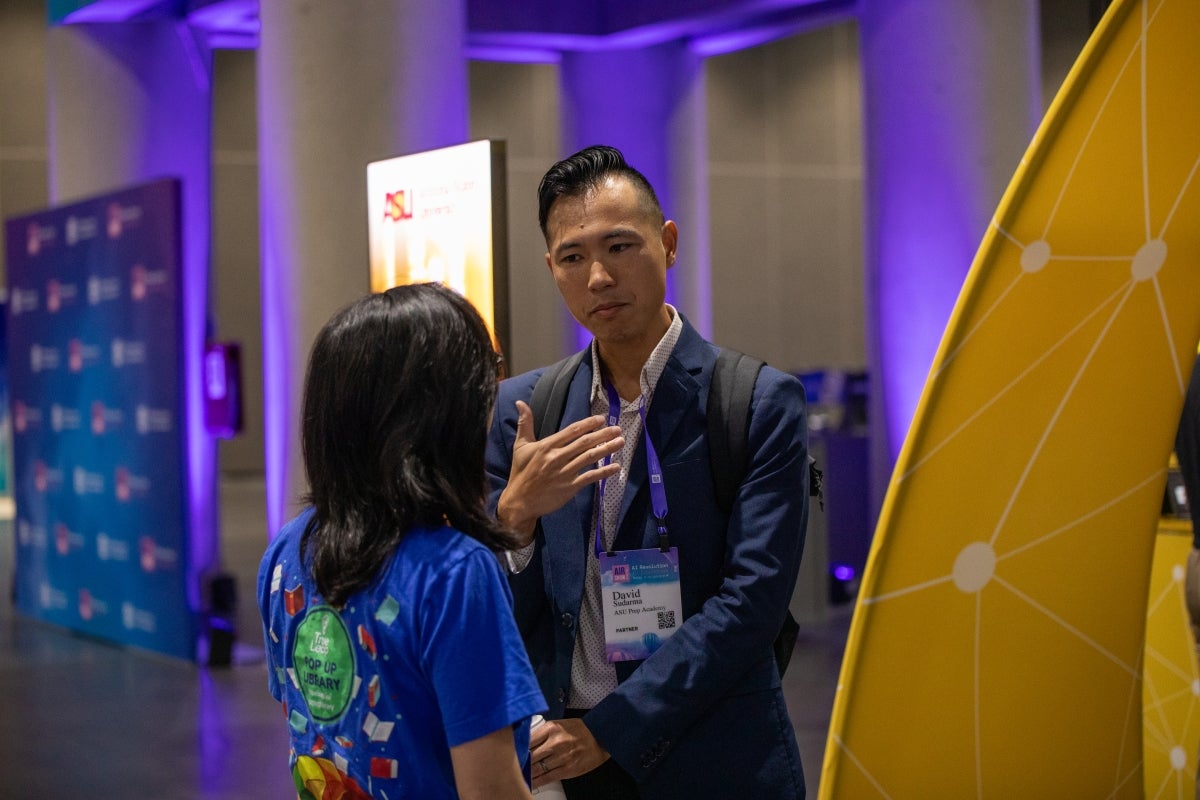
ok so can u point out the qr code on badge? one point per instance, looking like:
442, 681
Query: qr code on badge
666, 619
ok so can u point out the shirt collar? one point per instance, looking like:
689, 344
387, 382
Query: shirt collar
652, 370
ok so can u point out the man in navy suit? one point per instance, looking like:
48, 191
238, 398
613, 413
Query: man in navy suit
624, 487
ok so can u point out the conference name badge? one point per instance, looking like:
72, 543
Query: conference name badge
641, 601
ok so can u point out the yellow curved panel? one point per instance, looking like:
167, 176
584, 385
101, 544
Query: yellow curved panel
1171, 682
996, 648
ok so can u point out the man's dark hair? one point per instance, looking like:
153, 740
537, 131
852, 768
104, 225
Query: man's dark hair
584, 171
397, 402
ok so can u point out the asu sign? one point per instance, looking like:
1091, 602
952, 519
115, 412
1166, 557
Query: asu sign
440, 216
398, 206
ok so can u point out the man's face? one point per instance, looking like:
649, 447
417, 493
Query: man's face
609, 255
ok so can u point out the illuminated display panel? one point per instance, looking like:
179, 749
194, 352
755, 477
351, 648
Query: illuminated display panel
440, 216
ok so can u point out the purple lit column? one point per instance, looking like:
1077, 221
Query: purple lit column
130, 102
952, 97
336, 90
649, 103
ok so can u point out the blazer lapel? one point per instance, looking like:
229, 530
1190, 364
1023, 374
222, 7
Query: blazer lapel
674, 396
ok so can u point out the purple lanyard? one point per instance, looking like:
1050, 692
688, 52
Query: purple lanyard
658, 492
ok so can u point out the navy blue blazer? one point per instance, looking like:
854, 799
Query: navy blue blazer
704, 716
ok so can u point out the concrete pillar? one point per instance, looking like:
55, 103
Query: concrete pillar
129, 103
335, 92
951, 100
649, 103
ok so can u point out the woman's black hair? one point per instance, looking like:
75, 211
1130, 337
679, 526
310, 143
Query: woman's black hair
397, 403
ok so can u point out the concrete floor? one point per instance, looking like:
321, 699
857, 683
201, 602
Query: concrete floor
81, 718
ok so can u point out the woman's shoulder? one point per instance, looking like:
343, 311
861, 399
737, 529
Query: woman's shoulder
443, 544
429, 557
288, 537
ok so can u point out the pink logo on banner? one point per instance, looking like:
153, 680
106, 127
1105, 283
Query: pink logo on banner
53, 296
114, 220
39, 476
137, 282
20, 420
33, 239
122, 484
98, 421
62, 539
85, 604
149, 557
75, 355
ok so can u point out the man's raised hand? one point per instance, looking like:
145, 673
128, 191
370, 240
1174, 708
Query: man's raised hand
547, 473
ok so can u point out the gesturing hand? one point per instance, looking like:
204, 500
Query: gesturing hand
547, 473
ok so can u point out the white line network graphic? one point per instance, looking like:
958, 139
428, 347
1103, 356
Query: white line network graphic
1001, 589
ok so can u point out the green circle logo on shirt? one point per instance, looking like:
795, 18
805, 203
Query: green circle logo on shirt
324, 663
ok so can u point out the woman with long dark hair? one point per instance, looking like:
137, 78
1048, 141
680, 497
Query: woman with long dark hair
387, 618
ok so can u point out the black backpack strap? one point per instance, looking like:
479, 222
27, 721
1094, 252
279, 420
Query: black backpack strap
728, 416
550, 394
729, 398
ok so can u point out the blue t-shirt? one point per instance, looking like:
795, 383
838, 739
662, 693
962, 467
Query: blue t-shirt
425, 658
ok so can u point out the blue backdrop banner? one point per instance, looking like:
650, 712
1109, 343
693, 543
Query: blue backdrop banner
95, 367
